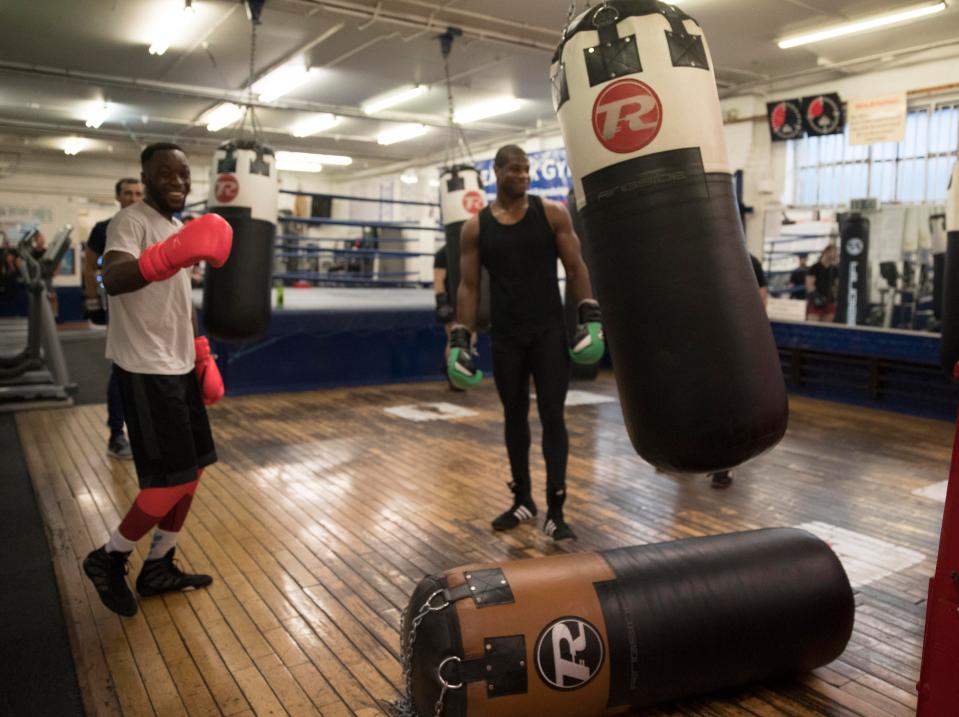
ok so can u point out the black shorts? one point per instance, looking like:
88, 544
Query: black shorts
168, 426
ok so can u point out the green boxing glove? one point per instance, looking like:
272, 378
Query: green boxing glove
460, 368
589, 342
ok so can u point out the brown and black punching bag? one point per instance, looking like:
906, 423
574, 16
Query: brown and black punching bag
949, 348
461, 197
696, 365
244, 191
594, 634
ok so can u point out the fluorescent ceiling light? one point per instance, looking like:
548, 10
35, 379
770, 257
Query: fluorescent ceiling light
409, 178
402, 134
169, 27
283, 80
97, 114
223, 115
484, 110
315, 124
310, 158
378, 104
866, 24
74, 145
434, 183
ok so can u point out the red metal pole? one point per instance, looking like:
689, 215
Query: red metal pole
939, 675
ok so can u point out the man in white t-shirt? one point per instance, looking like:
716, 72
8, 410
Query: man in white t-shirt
166, 374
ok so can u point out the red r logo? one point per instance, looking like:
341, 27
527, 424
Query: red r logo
226, 188
627, 116
473, 201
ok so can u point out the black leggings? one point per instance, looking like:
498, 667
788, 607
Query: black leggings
544, 355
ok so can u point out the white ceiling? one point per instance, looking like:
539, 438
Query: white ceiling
58, 56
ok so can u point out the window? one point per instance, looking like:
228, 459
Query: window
828, 171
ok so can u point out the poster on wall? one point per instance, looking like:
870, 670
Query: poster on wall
785, 119
549, 175
878, 119
823, 115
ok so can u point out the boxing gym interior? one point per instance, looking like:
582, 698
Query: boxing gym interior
462, 358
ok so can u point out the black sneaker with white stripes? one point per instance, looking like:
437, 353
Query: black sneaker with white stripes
556, 527
521, 510
163, 575
108, 573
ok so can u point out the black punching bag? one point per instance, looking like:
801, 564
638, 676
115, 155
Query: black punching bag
594, 634
461, 197
244, 191
580, 371
949, 349
696, 365
853, 300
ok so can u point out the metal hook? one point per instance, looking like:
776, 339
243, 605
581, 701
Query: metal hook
439, 673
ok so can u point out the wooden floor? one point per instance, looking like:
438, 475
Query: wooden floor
325, 510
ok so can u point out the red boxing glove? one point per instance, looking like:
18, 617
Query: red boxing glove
207, 373
208, 238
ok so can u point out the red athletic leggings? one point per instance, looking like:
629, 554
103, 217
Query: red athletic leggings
165, 508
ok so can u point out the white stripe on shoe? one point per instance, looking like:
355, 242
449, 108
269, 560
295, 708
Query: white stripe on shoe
523, 513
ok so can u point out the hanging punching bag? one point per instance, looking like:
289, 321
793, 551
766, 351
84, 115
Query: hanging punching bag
244, 191
593, 634
696, 365
461, 197
949, 349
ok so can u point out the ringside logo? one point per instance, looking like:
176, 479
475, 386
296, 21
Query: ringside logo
226, 188
627, 116
569, 653
473, 201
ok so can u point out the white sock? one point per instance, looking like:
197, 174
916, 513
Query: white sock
163, 540
119, 544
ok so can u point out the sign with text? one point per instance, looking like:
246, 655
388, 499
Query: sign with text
879, 119
549, 175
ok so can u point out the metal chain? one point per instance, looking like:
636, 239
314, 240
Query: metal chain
569, 17
404, 707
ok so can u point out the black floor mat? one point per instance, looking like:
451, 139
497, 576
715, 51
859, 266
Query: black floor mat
38, 676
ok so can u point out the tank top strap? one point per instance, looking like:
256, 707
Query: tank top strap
538, 211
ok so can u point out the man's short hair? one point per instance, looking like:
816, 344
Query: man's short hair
505, 153
147, 154
121, 182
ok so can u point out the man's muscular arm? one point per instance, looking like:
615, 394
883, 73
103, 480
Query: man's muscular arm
569, 250
467, 295
121, 273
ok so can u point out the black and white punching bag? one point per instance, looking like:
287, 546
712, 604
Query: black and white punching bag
244, 191
949, 349
462, 196
695, 361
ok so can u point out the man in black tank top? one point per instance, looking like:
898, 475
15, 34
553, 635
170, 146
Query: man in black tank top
518, 239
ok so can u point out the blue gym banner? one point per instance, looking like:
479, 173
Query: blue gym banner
549, 175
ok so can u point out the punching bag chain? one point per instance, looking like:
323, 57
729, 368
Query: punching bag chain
404, 707
569, 17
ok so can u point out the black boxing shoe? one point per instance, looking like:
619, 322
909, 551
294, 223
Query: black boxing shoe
523, 509
163, 575
107, 572
557, 528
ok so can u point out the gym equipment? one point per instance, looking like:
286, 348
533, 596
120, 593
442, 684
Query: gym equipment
460, 367
38, 371
588, 344
949, 354
592, 634
243, 190
696, 366
462, 196
853, 300
937, 232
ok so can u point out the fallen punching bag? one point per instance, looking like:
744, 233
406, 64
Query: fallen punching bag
696, 365
949, 348
580, 371
592, 634
244, 191
462, 196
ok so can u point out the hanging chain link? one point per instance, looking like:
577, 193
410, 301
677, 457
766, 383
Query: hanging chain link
404, 707
569, 17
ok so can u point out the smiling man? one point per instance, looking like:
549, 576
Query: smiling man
166, 374
518, 238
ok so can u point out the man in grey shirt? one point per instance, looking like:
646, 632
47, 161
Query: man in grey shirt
166, 375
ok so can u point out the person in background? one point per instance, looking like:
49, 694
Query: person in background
822, 286
797, 279
126, 191
445, 313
